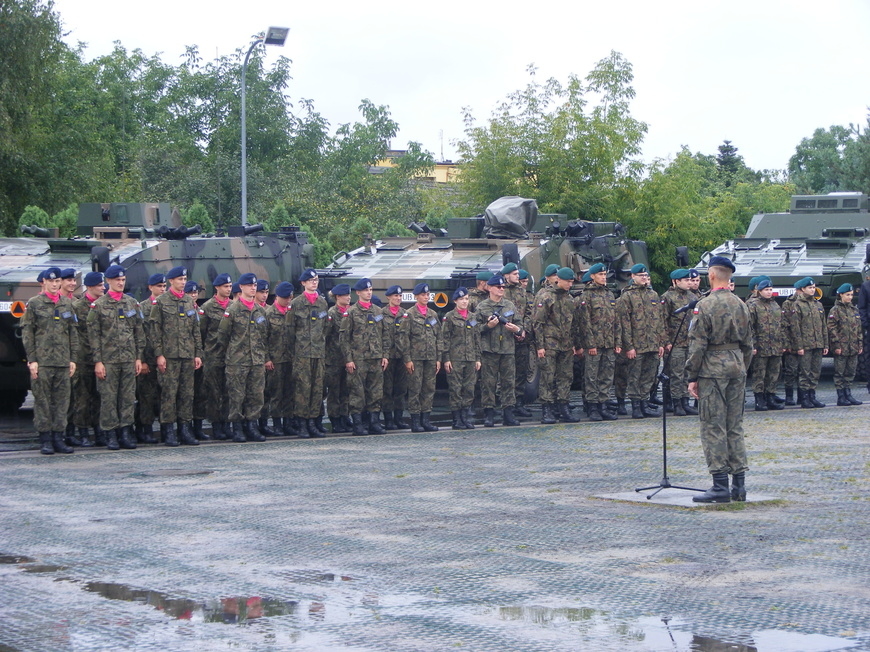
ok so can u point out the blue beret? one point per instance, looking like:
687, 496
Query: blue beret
763, 283
362, 284
524, 274
551, 269
721, 261
598, 268
69, 272
307, 275
156, 279
587, 277
496, 281
115, 271
510, 267
247, 279
393, 289
566, 274
804, 282
283, 289
51, 272
640, 268
191, 286
175, 272
377, 300
846, 287
458, 293
221, 279
483, 276
93, 279
262, 285
679, 273
340, 290
236, 288
421, 288
693, 273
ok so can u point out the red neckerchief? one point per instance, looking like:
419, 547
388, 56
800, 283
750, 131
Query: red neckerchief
462, 313
70, 295
247, 304
223, 303
341, 309
281, 309
364, 305
312, 297
395, 310
177, 295
422, 309
54, 297
262, 305
116, 295
153, 300
89, 298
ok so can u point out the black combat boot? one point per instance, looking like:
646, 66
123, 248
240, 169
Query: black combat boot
649, 410
508, 418
290, 427
563, 413
375, 425
467, 421
126, 438
690, 409
338, 425
238, 431
278, 426
457, 420
145, 434
772, 404
401, 424
816, 402
738, 488
111, 439
85, 438
548, 417
842, 401
185, 434
313, 431
718, 493
389, 423
198, 432
804, 399
489, 417
318, 423
620, 408
427, 425
359, 428
521, 410
47, 446
606, 413
789, 396
69, 436
253, 433
679, 409
217, 431
58, 443
416, 426
263, 427
636, 409
595, 412
760, 402
99, 437
776, 399
849, 397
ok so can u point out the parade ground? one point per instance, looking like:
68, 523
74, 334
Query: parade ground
525, 538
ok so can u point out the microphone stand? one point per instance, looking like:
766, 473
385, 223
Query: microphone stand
665, 482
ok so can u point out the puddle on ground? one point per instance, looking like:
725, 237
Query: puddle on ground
43, 568
171, 473
15, 559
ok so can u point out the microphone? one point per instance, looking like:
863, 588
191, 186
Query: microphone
689, 306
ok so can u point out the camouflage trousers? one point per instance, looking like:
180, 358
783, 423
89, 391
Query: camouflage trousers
620, 375
641, 374
336, 391
460, 384
279, 391
598, 373
117, 395
675, 369
84, 397
720, 402
764, 371
521, 357
307, 377
845, 367
366, 386
421, 387
395, 385
809, 368
148, 395
790, 364
557, 373
176, 390
497, 378
200, 407
215, 381
50, 398
245, 387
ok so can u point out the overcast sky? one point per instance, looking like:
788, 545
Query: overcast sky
761, 73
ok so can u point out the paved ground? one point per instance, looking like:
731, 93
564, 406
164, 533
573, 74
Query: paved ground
487, 540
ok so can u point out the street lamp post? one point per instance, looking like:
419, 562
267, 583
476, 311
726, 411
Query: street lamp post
273, 36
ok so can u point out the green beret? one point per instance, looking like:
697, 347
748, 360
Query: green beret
640, 268
679, 273
755, 280
587, 276
484, 276
551, 269
566, 274
510, 267
597, 267
523, 274
846, 287
804, 282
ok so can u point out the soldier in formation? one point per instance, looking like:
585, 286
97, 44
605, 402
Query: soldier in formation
809, 340
395, 375
147, 383
461, 335
335, 373
766, 321
678, 296
846, 343
310, 313
516, 293
84, 398
279, 365
422, 359
213, 366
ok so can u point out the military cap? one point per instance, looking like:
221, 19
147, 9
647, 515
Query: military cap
262, 285
307, 275
247, 279
755, 280
566, 274
587, 277
721, 261
524, 274
377, 301
763, 283
115, 271
283, 289
597, 268
496, 281
92, 279
221, 279
693, 273
236, 288
640, 268
362, 284
510, 267
804, 282
677, 274
421, 288
51, 272
156, 279
191, 286
551, 269
69, 272
483, 276
846, 287
393, 289
458, 293
175, 272
340, 290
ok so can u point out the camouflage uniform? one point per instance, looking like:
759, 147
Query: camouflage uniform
50, 335
497, 346
766, 322
599, 329
396, 375
720, 349
672, 300
117, 339
213, 369
362, 341
335, 385
175, 332
148, 385
461, 339
200, 397
425, 348
809, 331
522, 301
84, 397
790, 359
279, 347
557, 331
475, 296
242, 337
844, 329
640, 317
309, 325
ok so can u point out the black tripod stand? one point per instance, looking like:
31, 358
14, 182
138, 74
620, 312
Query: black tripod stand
665, 482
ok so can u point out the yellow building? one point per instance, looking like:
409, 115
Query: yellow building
443, 172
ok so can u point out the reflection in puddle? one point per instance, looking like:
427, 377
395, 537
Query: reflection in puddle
43, 568
15, 559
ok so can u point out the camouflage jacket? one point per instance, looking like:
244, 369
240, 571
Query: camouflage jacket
599, 327
83, 306
424, 336
396, 333
720, 338
309, 326
766, 320
242, 335
788, 321
809, 328
556, 322
475, 296
50, 331
115, 330
461, 337
497, 339
174, 327
209, 323
145, 308
279, 335
334, 319
672, 300
522, 301
362, 335
639, 312
845, 329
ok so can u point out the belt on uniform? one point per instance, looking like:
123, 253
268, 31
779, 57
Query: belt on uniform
723, 347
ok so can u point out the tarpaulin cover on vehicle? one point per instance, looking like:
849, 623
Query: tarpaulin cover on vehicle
509, 217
